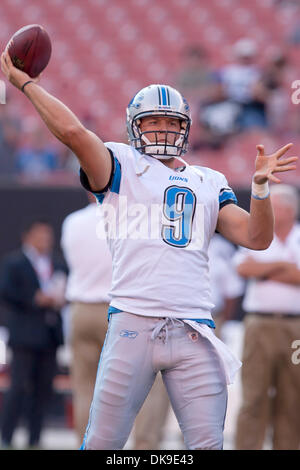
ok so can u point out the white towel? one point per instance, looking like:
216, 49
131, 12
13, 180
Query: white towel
230, 363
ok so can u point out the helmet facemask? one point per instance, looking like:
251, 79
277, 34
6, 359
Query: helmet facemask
161, 147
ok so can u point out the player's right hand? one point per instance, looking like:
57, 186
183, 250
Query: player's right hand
14, 75
267, 165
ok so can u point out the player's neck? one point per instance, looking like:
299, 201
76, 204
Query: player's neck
172, 163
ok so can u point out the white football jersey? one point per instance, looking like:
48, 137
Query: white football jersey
158, 224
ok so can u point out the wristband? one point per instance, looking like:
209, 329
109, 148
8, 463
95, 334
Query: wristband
260, 191
26, 83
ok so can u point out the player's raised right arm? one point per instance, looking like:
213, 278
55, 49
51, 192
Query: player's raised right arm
92, 154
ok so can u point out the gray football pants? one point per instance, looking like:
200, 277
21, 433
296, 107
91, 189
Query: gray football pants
135, 349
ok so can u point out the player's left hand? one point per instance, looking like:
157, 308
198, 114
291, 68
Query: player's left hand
267, 165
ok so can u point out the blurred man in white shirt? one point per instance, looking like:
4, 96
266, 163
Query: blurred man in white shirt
90, 265
226, 285
270, 379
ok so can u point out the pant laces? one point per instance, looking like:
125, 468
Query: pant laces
162, 325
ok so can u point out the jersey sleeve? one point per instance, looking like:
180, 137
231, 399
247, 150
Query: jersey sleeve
113, 184
226, 194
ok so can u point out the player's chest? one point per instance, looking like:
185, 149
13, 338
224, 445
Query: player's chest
169, 187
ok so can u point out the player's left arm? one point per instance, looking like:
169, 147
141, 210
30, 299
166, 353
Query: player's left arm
254, 230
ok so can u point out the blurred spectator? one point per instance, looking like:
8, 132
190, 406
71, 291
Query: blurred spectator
68, 161
273, 91
294, 37
219, 121
197, 82
226, 286
90, 271
9, 136
32, 285
270, 379
196, 77
229, 100
290, 9
286, 3
37, 158
238, 82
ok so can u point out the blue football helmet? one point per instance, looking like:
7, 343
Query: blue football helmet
158, 100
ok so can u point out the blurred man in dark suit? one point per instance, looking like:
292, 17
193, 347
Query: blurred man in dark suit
31, 284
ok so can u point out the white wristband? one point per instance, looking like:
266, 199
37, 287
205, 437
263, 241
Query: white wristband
260, 191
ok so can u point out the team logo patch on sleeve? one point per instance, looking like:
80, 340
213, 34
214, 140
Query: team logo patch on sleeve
128, 334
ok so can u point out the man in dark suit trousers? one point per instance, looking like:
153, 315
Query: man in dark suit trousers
31, 287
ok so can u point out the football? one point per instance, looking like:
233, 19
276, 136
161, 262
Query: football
30, 49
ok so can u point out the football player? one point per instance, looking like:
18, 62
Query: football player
160, 314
